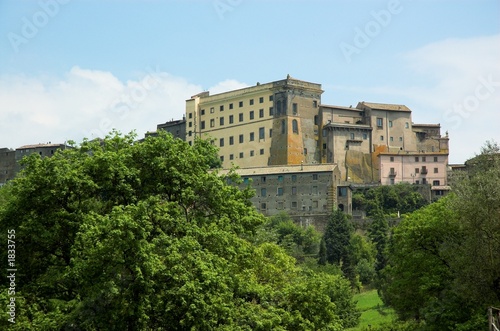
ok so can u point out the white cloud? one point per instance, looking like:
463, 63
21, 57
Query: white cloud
89, 103
464, 92
227, 85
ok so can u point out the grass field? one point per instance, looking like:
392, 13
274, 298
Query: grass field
373, 311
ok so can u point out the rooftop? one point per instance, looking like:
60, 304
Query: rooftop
384, 106
283, 169
40, 146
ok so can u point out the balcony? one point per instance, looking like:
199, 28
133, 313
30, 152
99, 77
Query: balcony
423, 171
393, 173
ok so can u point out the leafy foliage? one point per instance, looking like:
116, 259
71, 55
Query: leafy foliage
390, 199
125, 235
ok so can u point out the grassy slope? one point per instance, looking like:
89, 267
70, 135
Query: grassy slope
373, 311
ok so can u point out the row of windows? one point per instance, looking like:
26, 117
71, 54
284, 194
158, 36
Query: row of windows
280, 191
380, 123
390, 138
417, 159
241, 137
280, 205
242, 155
417, 170
281, 178
231, 105
424, 181
241, 118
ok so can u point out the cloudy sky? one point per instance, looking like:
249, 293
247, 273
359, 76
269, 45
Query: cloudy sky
78, 68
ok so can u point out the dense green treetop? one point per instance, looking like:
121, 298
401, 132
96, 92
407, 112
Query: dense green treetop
125, 235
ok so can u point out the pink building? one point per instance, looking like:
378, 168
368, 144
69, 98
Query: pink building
415, 168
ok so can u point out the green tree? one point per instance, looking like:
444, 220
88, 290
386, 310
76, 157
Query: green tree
379, 235
117, 234
337, 236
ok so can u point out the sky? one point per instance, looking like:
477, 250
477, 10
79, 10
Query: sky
71, 69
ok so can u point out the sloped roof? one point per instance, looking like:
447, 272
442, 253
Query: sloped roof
385, 106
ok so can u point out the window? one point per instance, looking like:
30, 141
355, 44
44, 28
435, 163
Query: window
417, 182
263, 179
294, 178
240, 117
391, 181
231, 156
390, 124
190, 124
436, 170
203, 111
416, 158
379, 123
294, 190
241, 155
271, 98
263, 206
280, 205
221, 121
252, 136
221, 108
190, 115
435, 158
295, 127
342, 191
241, 139
400, 138
283, 126
295, 108
231, 140
261, 151
280, 178
202, 125
294, 204
212, 123
251, 102
212, 110
435, 182
263, 192
382, 138
221, 142
391, 138
352, 136
262, 133
424, 158
417, 170
270, 133
271, 111
240, 104
261, 100
305, 151
278, 107
231, 119
222, 158
316, 119
407, 125
251, 115
279, 192
315, 103
261, 113
365, 136
391, 158
230, 106
315, 176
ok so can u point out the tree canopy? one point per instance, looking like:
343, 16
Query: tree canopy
126, 235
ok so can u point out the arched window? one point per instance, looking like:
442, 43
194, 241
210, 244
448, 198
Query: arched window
295, 127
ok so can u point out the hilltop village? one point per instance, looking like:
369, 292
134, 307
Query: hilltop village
302, 156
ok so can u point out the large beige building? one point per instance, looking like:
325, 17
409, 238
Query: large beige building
267, 124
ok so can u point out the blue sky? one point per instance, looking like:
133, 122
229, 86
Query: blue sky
74, 68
